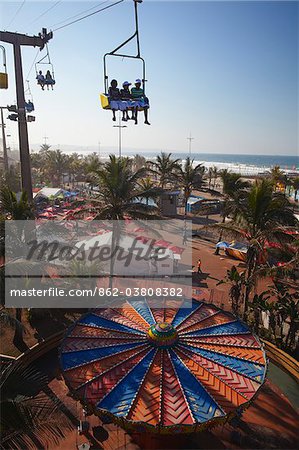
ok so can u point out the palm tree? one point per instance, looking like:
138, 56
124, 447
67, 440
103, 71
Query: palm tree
28, 418
295, 184
277, 177
232, 187
119, 191
55, 165
44, 148
189, 177
237, 281
74, 166
260, 216
15, 209
149, 188
166, 168
260, 303
139, 162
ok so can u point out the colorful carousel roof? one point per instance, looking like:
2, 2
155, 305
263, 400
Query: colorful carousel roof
162, 368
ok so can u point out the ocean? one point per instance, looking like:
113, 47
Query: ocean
243, 164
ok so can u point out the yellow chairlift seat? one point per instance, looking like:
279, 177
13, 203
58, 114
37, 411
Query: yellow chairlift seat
3, 75
3, 80
105, 103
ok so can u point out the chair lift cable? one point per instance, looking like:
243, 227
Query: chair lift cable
78, 14
16, 14
45, 12
32, 65
89, 15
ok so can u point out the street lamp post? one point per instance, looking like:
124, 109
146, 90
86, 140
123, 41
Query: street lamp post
119, 126
190, 139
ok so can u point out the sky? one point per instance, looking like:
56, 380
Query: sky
225, 71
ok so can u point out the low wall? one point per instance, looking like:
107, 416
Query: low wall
282, 360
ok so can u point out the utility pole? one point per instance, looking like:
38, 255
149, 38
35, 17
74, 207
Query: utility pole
190, 139
45, 140
119, 126
17, 40
5, 158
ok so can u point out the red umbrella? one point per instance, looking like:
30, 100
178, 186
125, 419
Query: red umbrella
162, 243
175, 249
143, 239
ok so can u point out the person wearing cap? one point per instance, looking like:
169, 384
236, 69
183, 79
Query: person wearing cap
140, 100
126, 99
114, 99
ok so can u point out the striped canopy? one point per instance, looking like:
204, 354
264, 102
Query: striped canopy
164, 369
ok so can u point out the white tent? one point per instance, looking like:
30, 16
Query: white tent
49, 192
133, 257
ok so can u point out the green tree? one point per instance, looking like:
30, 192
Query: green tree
295, 184
166, 168
14, 209
260, 216
28, 417
277, 177
232, 187
139, 162
236, 281
56, 163
119, 191
189, 178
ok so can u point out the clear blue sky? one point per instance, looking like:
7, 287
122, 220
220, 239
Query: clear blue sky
227, 71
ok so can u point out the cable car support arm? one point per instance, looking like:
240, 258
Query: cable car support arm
114, 52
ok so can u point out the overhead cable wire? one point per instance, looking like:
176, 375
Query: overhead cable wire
45, 12
89, 15
78, 14
16, 14
29, 72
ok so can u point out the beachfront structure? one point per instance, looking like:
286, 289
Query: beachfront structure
163, 366
170, 202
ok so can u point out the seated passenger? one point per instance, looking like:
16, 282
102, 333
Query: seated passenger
126, 99
49, 80
41, 79
140, 100
114, 99
29, 106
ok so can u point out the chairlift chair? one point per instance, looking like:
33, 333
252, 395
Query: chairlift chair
104, 96
41, 63
3, 75
29, 105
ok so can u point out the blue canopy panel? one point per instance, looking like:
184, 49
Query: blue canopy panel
202, 405
77, 358
247, 368
119, 400
143, 309
96, 321
185, 310
228, 328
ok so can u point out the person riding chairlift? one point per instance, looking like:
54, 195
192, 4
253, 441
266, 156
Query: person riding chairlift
139, 100
49, 80
29, 106
41, 80
126, 98
115, 99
